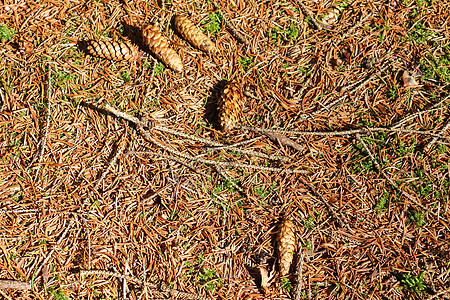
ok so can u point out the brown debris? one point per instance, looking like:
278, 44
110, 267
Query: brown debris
286, 246
192, 34
160, 47
284, 140
113, 50
408, 80
230, 106
330, 17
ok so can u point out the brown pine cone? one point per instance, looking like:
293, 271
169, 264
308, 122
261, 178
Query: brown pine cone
286, 246
159, 46
192, 34
229, 106
113, 50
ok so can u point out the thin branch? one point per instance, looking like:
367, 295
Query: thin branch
233, 30
298, 289
309, 13
324, 201
416, 114
284, 140
121, 147
147, 136
137, 122
343, 133
215, 144
14, 284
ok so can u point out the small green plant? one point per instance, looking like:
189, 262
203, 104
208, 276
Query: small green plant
292, 32
276, 33
159, 69
209, 278
309, 223
245, 62
125, 76
226, 185
286, 284
437, 66
57, 294
393, 92
419, 33
264, 192
213, 24
6, 34
414, 283
382, 202
417, 217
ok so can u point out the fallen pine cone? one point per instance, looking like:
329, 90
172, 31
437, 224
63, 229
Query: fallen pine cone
113, 50
160, 47
286, 246
229, 106
192, 34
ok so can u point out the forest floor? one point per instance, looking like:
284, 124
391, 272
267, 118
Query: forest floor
344, 130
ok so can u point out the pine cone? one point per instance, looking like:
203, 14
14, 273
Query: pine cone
286, 246
229, 106
113, 50
192, 34
159, 46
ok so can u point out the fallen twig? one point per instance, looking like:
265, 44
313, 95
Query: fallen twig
14, 284
120, 148
143, 124
148, 136
309, 13
298, 288
324, 201
233, 30
284, 140
343, 133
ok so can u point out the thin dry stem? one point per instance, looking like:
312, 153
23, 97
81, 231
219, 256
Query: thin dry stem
14, 284
299, 269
